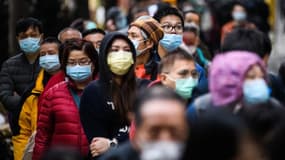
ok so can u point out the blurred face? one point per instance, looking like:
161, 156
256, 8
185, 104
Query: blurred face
180, 69
69, 34
96, 39
190, 38
238, 8
31, 32
171, 24
192, 17
162, 120
49, 49
254, 73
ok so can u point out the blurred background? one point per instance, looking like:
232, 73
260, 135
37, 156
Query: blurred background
267, 15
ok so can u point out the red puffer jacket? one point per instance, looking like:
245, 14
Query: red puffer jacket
59, 122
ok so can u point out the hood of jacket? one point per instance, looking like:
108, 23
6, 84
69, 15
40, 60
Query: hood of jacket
227, 74
105, 74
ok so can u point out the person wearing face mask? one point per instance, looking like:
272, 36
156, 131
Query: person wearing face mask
237, 80
191, 39
105, 103
172, 22
162, 127
95, 36
239, 15
27, 118
145, 33
178, 71
59, 121
20, 71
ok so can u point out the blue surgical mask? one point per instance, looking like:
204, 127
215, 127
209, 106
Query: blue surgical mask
239, 16
30, 45
50, 63
90, 25
255, 91
171, 41
79, 73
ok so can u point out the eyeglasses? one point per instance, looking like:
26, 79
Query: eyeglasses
81, 62
169, 28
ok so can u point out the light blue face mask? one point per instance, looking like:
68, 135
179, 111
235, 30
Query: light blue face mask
90, 25
239, 16
255, 91
79, 73
30, 45
185, 86
171, 41
50, 63
136, 45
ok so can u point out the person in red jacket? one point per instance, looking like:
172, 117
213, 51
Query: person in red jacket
59, 120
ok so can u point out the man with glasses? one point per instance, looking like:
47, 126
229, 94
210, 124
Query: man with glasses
172, 22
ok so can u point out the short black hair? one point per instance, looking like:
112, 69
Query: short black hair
51, 40
216, 134
156, 92
165, 11
244, 39
170, 58
24, 24
93, 31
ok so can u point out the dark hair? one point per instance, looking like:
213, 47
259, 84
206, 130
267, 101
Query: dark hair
24, 24
163, 12
215, 135
81, 45
170, 58
234, 3
243, 39
51, 40
154, 93
122, 95
262, 120
93, 31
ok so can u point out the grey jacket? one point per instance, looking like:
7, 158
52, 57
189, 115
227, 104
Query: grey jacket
16, 75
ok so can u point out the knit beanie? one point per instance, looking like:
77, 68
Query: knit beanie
151, 28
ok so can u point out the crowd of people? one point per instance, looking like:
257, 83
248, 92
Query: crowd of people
147, 90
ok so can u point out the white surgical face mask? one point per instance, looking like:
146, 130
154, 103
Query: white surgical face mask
161, 150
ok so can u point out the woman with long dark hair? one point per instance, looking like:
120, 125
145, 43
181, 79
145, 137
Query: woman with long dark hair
105, 103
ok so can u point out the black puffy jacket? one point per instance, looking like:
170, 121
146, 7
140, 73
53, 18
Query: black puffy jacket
16, 75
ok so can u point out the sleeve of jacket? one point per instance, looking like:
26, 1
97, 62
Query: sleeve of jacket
9, 99
45, 126
92, 117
